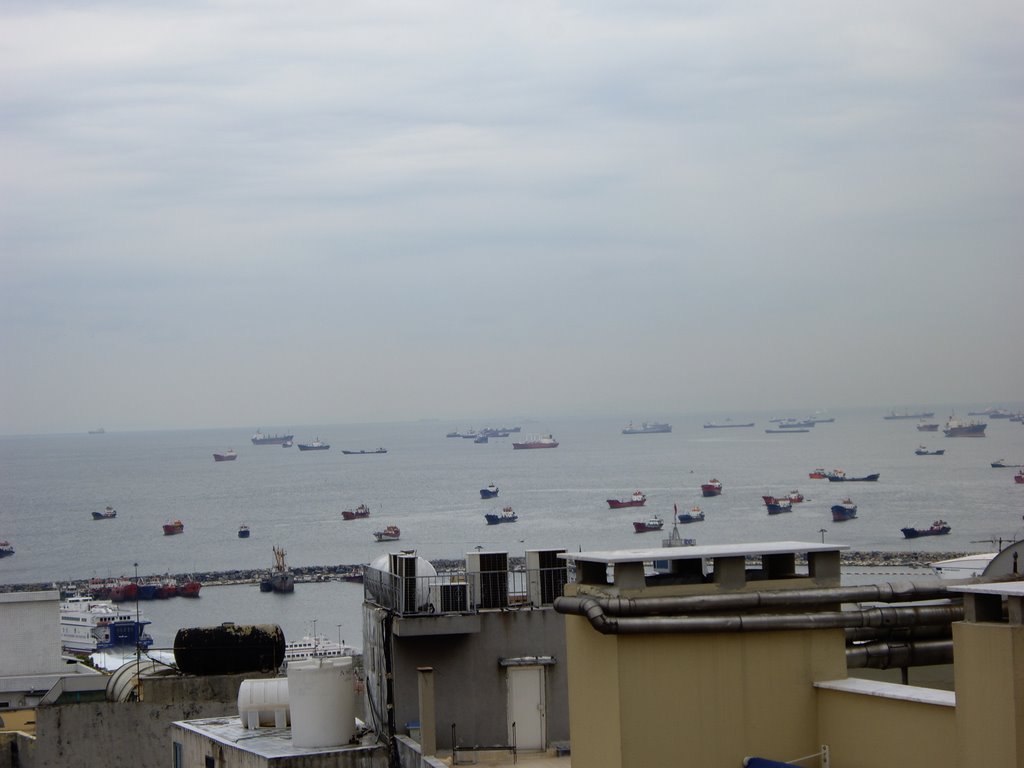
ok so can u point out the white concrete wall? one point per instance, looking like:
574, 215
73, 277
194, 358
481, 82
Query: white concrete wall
30, 633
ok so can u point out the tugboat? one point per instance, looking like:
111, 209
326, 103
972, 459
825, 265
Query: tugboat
506, 516
638, 500
711, 488
938, 528
243, 531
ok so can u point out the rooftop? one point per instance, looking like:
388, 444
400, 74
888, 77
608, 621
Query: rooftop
612, 556
270, 743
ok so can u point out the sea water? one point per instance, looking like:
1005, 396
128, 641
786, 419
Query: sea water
428, 485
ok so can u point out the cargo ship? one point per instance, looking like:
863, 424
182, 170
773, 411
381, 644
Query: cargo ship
261, 439
956, 428
907, 415
647, 428
547, 441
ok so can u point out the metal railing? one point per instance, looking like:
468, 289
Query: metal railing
463, 591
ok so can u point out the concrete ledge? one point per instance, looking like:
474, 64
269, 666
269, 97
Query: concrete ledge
890, 691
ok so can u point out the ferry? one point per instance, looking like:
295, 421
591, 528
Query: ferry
88, 625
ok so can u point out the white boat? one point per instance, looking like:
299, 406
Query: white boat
88, 625
318, 646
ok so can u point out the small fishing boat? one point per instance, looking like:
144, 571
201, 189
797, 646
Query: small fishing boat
389, 533
695, 515
653, 523
228, 455
923, 451
844, 510
355, 514
106, 514
243, 531
505, 516
638, 499
938, 528
170, 529
490, 492
711, 488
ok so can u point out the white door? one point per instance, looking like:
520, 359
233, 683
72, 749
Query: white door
526, 707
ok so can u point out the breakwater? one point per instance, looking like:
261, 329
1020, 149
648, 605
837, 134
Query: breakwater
349, 572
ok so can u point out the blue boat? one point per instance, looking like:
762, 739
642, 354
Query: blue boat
695, 515
490, 492
506, 516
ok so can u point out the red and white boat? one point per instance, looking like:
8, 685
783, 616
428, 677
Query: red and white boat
390, 533
711, 488
546, 441
172, 528
653, 523
818, 474
355, 514
795, 497
638, 500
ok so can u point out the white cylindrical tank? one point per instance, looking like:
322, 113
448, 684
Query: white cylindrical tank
321, 695
263, 702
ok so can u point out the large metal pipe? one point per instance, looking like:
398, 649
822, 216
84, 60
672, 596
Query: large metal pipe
885, 616
918, 653
885, 592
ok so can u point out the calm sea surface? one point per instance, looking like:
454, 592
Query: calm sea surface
428, 485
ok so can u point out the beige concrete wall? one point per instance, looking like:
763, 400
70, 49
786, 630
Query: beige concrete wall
989, 675
876, 732
702, 700
594, 695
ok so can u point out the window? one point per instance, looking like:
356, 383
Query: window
179, 754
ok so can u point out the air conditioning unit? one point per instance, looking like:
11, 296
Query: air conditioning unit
546, 575
488, 576
450, 598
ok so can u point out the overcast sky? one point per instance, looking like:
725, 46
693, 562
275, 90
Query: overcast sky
257, 212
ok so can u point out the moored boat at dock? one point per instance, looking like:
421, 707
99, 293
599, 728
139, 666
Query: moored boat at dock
88, 625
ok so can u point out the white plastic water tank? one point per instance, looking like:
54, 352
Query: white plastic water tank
321, 694
264, 702
425, 574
